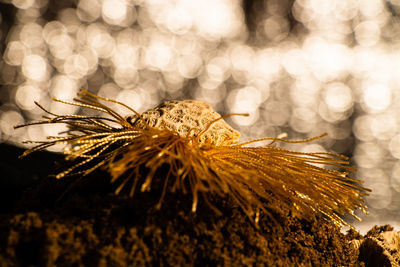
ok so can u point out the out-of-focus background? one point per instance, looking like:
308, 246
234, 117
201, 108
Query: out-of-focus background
303, 67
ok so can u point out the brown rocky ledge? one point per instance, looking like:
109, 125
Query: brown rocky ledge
90, 226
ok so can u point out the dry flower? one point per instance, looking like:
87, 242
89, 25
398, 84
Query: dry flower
203, 156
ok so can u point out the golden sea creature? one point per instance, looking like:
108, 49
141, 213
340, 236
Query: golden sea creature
203, 155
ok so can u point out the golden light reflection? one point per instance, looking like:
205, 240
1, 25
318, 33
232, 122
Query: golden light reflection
305, 67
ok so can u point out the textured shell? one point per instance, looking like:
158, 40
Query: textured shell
182, 116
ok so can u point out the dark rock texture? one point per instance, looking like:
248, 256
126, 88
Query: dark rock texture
49, 222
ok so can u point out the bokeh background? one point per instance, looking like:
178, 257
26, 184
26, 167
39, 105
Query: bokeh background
303, 67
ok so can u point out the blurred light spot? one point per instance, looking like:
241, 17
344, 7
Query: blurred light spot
208, 83
158, 54
118, 12
114, 9
34, 67
218, 19
63, 87
213, 96
381, 195
295, 63
26, 95
100, 41
304, 92
371, 8
277, 113
189, 66
8, 120
76, 66
91, 59
364, 61
126, 77
321, 7
302, 12
384, 126
367, 33
267, 63
129, 36
303, 120
35, 133
132, 98
15, 53
126, 56
31, 35
109, 90
242, 62
368, 155
377, 97
218, 69
338, 97
61, 45
346, 10
339, 131
173, 80
394, 147
262, 86
276, 28
246, 99
70, 19
362, 128
22, 4
52, 30
331, 116
88, 10
327, 60
395, 178
278, 7
27, 15
179, 21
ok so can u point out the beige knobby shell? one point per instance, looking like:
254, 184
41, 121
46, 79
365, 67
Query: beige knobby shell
189, 118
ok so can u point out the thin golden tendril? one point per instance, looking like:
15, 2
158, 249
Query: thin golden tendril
251, 176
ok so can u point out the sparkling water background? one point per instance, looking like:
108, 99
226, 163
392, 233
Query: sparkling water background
302, 67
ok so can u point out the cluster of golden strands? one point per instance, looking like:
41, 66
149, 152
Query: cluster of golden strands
251, 176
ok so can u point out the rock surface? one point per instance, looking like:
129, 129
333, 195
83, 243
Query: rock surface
380, 246
73, 222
